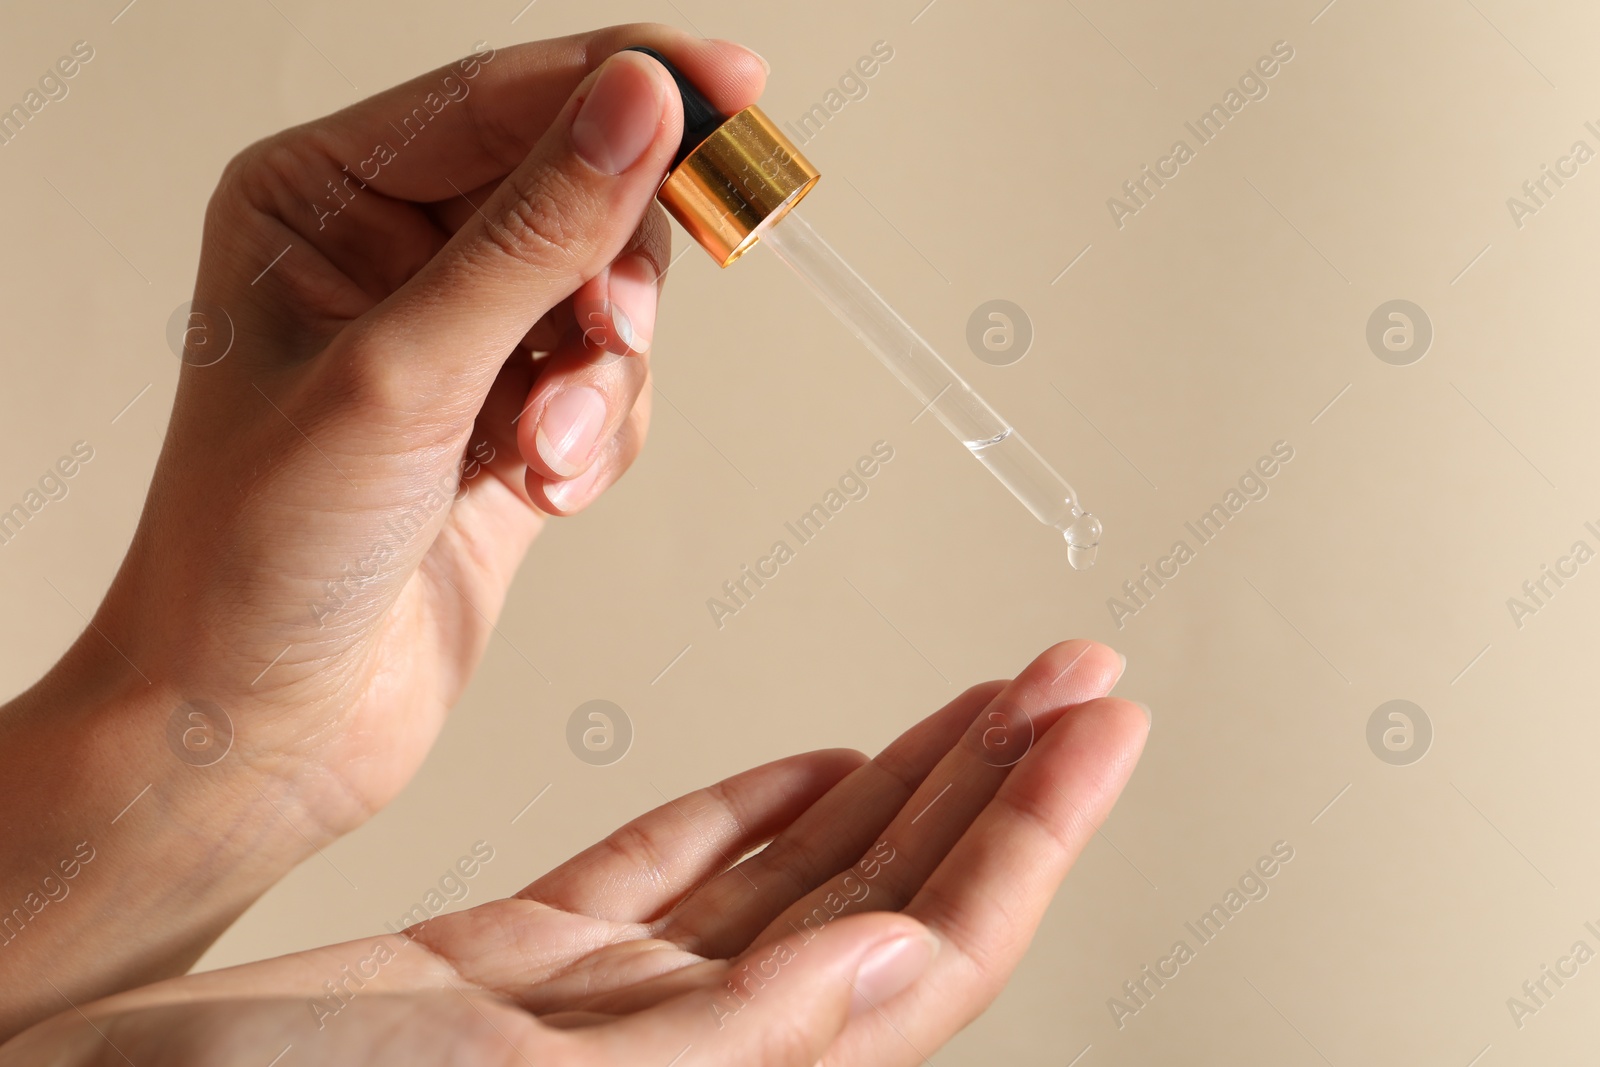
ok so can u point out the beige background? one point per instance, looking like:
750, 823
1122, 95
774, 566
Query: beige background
1223, 318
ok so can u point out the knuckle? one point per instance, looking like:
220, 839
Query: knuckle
983, 692
900, 772
791, 866
1065, 832
968, 934
733, 808
636, 845
368, 373
543, 222
259, 174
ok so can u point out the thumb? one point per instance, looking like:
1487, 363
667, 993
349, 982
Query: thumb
564, 213
783, 1003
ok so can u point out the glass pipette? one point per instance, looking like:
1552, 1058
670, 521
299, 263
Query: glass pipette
735, 182
934, 383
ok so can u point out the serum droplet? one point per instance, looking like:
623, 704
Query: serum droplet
1083, 540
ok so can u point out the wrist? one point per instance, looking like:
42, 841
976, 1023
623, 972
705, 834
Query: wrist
122, 854
116, 743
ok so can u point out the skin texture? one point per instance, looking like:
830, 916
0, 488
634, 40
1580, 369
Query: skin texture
354, 469
647, 943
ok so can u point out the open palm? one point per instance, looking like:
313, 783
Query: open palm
655, 942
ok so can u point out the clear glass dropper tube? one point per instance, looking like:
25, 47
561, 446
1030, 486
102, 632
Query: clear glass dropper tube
936, 385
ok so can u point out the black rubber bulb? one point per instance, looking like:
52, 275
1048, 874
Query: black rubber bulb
700, 119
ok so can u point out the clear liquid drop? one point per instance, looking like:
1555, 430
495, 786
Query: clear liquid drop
1083, 539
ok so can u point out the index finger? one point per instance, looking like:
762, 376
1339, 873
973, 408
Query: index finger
470, 123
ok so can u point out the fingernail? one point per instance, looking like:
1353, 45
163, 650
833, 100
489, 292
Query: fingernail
569, 429
890, 968
1120, 670
632, 288
621, 115
574, 493
1148, 720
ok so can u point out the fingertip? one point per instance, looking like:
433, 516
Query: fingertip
823, 763
1124, 722
623, 110
891, 967
565, 497
1086, 668
729, 74
847, 759
631, 292
881, 953
746, 61
812, 982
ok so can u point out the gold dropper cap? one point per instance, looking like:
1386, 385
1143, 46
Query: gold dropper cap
732, 178
736, 183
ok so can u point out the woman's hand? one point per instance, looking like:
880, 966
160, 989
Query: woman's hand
649, 948
346, 494
362, 447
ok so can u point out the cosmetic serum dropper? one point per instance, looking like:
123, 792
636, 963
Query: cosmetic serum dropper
735, 182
